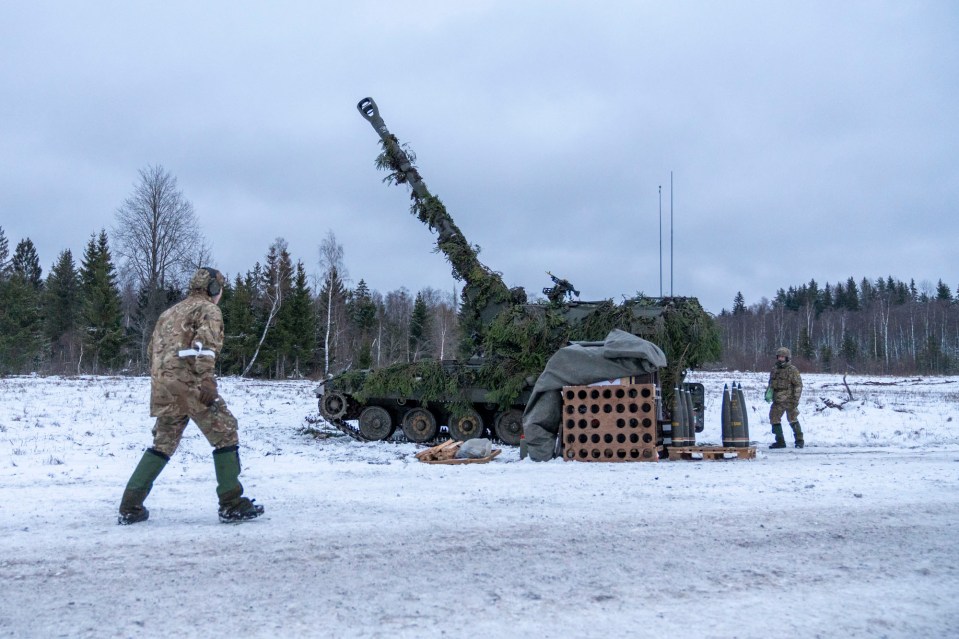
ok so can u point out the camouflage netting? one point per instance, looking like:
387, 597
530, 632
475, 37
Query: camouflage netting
515, 339
520, 340
423, 382
686, 333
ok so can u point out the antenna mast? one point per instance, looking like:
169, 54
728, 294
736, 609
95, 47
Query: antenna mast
670, 233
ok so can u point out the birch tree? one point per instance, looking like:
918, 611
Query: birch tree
158, 242
331, 264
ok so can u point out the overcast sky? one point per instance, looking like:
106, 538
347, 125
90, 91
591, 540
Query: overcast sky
805, 139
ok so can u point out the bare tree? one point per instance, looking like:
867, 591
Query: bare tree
158, 242
331, 261
444, 324
157, 234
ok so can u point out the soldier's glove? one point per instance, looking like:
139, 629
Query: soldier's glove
208, 392
769, 395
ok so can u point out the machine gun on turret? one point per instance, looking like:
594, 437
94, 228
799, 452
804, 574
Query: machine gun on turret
560, 290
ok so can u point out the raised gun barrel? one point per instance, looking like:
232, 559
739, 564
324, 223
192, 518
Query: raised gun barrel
400, 161
484, 292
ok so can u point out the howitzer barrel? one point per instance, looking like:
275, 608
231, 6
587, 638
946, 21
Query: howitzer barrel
402, 162
484, 292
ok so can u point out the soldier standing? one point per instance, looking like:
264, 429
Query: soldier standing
187, 338
784, 390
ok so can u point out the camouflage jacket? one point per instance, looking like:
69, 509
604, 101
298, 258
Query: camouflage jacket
786, 384
174, 379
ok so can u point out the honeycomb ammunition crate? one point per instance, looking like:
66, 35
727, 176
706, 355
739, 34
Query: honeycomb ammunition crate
610, 423
703, 453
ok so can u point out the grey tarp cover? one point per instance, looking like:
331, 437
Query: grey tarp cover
621, 354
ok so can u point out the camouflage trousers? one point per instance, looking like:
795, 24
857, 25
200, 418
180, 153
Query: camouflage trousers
216, 422
778, 408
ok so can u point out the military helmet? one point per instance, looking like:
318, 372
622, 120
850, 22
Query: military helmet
207, 279
782, 350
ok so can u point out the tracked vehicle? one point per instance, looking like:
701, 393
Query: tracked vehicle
506, 340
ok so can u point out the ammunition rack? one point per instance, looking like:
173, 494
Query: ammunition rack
610, 423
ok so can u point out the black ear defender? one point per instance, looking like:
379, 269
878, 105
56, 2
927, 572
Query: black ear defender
213, 286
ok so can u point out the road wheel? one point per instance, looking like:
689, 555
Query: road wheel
376, 423
466, 426
509, 426
419, 424
333, 405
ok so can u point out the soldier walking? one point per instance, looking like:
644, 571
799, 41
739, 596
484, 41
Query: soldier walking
784, 390
187, 338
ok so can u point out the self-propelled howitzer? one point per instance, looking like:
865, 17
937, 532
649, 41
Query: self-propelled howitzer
506, 340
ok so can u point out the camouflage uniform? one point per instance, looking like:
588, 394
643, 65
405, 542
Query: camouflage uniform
175, 380
786, 385
787, 389
186, 340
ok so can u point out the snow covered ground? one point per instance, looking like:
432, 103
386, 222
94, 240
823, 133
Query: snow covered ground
854, 536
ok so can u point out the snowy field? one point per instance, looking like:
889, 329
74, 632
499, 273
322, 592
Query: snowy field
853, 536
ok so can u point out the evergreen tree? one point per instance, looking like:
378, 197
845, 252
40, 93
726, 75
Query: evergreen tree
866, 294
901, 295
943, 292
62, 309
101, 319
21, 339
419, 328
361, 311
361, 306
26, 264
839, 296
301, 323
825, 358
813, 297
21, 318
931, 359
4, 256
850, 348
781, 298
827, 297
853, 297
277, 285
739, 304
239, 324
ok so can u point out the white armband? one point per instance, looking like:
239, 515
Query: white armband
197, 351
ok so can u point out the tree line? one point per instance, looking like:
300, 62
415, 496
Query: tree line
97, 316
85, 319
867, 326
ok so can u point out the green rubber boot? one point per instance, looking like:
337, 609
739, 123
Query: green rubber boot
797, 434
234, 507
780, 440
132, 510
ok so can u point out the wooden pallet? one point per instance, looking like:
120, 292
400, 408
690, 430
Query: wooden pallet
445, 454
702, 453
